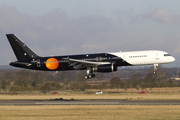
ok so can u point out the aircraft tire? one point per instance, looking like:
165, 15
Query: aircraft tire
86, 77
93, 75
89, 76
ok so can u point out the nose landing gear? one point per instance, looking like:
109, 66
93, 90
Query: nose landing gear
155, 67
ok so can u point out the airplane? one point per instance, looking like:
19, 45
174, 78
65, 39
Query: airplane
98, 62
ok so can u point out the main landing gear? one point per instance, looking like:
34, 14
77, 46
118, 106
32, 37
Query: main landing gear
89, 74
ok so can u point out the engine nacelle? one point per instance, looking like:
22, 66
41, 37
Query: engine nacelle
104, 68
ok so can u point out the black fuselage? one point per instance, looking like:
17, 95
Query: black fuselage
63, 63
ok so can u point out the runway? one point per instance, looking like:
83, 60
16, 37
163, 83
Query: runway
94, 102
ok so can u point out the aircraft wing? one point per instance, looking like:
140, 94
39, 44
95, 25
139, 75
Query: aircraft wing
80, 64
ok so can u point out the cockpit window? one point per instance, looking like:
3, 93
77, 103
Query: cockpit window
167, 55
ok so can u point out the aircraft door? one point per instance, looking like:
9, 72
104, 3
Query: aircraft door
157, 56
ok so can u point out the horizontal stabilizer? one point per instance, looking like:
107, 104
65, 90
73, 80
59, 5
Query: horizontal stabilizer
20, 64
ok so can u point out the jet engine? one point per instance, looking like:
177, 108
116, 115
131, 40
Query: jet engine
104, 68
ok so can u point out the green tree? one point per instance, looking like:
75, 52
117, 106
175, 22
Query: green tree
46, 87
4, 84
22, 79
80, 83
115, 82
38, 79
8, 76
66, 84
154, 79
56, 86
135, 80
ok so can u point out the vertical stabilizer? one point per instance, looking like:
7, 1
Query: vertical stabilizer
22, 51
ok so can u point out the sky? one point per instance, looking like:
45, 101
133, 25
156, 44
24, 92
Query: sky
66, 27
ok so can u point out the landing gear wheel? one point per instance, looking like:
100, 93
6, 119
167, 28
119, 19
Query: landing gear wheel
89, 73
93, 75
89, 76
86, 77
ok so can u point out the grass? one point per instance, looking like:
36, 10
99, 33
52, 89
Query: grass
93, 112
109, 94
126, 96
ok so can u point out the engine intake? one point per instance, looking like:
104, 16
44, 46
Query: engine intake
104, 68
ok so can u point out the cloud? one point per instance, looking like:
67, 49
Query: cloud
95, 48
56, 33
160, 15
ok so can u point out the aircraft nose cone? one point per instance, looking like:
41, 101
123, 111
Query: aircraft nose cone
172, 59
